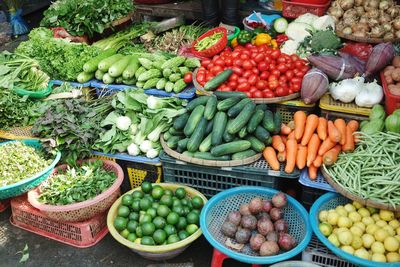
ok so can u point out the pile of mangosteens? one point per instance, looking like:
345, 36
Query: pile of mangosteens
261, 224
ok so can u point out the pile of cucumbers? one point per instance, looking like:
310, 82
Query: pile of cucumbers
146, 71
223, 126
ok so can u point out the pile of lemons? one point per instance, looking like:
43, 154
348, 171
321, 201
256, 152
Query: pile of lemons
365, 232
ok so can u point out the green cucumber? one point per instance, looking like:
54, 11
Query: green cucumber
218, 80
280, 25
243, 132
151, 83
173, 142
139, 71
277, 122
235, 110
269, 141
174, 132
242, 119
243, 154
263, 107
139, 84
230, 148
107, 79
130, 81
198, 136
182, 144
255, 120
202, 100
224, 95
256, 144
84, 77
148, 64
169, 86
188, 154
227, 137
118, 67
268, 121
99, 75
180, 122
179, 86
161, 83
131, 69
209, 156
211, 108
206, 144
106, 63
193, 120
227, 103
219, 126
210, 125
262, 134
118, 80
92, 65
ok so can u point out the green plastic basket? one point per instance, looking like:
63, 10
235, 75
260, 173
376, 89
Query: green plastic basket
25, 185
35, 94
233, 35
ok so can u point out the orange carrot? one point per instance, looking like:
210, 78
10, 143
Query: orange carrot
270, 156
291, 152
333, 132
285, 130
301, 158
353, 125
311, 126
349, 145
282, 156
331, 156
312, 172
284, 139
322, 128
318, 161
300, 123
291, 136
291, 125
340, 124
277, 143
312, 149
326, 146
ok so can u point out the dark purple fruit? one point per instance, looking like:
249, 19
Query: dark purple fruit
229, 229
256, 241
242, 235
234, 217
249, 222
255, 205
279, 200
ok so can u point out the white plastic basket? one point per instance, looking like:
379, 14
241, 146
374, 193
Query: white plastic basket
319, 254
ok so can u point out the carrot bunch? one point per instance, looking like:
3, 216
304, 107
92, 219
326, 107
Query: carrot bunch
310, 141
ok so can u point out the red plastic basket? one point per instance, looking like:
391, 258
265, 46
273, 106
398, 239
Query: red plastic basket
4, 204
215, 49
293, 9
82, 235
392, 102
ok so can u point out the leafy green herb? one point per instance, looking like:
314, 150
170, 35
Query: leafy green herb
25, 254
323, 42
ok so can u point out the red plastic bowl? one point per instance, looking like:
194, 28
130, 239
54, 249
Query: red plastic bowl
215, 49
392, 102
311, 2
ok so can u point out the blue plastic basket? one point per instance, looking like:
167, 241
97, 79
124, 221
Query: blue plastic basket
331, 201
319, 183
127, 157
217, 208
25, 185
73, 84
103, 89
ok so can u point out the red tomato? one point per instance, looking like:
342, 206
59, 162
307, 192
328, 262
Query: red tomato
253, 89
268, 94
249, 95
232, 84
247, 65
296, 80
273, 84
244, 56
296, 87
219, 62
229, 89
243, 87
252, 79
241, 80
294, 57
289, 66
216, 70
257, 94
272, 66
253, 54
259, 57
201, 69
255, 71
281, 60
298, 64
228, 61
276, 53
272, 78
234, 77
247, 74
290, 91
280, 91
261, 84
282, 79
237, 62
289, 74
305, 69
235, 54
188, 77
210, 66
282, 67
205, 62
264, 75
263, 66
276, 72
238, 71
209, 76
267, 59
200, 77
253, 62
295, 71
249, 45
300, 74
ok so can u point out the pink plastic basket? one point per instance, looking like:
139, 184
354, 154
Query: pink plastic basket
83, 210
294, 9
215, 49
81, 235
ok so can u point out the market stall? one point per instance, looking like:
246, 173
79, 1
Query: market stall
278, 141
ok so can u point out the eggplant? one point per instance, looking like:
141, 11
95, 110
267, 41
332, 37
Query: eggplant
315, 84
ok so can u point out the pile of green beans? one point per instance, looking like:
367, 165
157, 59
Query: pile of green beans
19, 161
372, 171
207, 42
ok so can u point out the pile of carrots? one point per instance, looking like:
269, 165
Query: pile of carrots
310, 141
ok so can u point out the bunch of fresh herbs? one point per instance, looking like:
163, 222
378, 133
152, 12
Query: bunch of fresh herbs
77, 184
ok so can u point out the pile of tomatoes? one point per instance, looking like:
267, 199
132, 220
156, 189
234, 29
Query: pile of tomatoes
259, 71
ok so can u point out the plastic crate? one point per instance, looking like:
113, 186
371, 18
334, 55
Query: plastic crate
288, 108
81, 234
392, 102
4, 204
333, 109
292, 9
136, 169
309, 195
212, 180
318, 253
17, 133
319, 183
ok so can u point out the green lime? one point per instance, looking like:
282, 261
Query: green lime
149, 197
192, 218
127, 200
180, 193
157, 192
137, 194
183, 234
136, 205
125, 233
173, 239
146, 187
168, 192
189, 204
131, 237
197, 202
139, 232
166, 200
155, 205
123, 211
145, 204
159, 236
134, 216
182, 223
131, 226
196, 211
148, 228
152, 212
176, 202
159, 222
191, 229
186, 210
144, 218
148, 241
185, 202
120, 223
163, 211
138, 240
178, 209
173, 218
170, 229
157, 186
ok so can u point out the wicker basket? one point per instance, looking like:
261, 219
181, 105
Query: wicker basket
83, 210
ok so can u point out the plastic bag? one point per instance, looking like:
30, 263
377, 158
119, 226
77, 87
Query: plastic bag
360, 50
19, 26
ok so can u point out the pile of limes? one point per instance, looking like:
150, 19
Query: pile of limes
157, 216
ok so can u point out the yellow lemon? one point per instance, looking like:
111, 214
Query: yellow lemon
333, 218
362, 253
378, 257
357, 242
357, 205
355, 230
393, 257
391, 244
323, 216
367, 220
345, 237
344, 222
378, 247
368, 240
334, 240
349, 207
360, 225
348, 249
380, 235
364, 212
355, 216
394, 223
386, 215
371, 229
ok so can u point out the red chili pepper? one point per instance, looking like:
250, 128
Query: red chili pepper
281, 38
